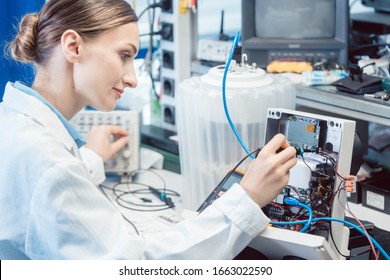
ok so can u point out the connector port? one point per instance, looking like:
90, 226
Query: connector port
167, 31
167, 59
167, 6
168, 87
169, 114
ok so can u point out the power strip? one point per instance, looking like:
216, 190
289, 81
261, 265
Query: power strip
176, 58
127, 159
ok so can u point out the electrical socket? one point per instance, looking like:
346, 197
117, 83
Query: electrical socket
167, 31
169, 114
168, 87
168, 59
166, 6
176, 54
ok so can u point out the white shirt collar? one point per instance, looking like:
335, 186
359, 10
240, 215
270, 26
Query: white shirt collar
31, 106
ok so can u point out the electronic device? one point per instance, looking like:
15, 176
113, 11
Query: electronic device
212, 50
378, 5
235, 176
127, 159
324, 150
312, 31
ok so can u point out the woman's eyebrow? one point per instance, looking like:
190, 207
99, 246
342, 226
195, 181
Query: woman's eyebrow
135, 49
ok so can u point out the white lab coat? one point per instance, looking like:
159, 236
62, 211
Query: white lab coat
51, 209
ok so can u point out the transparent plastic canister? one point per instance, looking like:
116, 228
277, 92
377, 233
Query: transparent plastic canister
208, 146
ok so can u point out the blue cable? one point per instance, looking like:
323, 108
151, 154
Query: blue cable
295, 202
292, 201
235, 43
359, 230
379, 247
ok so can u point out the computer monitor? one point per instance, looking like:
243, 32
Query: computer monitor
313, 31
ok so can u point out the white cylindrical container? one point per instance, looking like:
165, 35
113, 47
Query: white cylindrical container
208, 146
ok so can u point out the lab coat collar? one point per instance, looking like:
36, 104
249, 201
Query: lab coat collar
25, 102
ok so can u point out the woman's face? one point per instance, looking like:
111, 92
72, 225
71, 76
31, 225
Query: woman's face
107, 67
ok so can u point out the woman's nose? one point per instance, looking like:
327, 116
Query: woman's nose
130, 78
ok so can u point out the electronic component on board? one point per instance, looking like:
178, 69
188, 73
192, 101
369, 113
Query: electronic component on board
324, 152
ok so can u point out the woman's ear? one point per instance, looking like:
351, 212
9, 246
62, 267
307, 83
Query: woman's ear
70, 43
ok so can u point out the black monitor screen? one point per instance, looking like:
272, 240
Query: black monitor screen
298, 19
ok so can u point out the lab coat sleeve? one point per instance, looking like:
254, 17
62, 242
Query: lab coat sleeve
95, 165
70, 218
221, 231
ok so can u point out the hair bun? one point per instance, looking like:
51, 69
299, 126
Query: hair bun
23, 47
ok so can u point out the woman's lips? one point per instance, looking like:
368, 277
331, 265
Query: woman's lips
118, 92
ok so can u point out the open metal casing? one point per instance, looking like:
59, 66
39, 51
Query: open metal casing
277, 243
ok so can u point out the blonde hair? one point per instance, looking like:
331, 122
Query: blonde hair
40, 33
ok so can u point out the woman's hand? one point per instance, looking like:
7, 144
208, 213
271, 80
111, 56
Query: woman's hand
106, 140
268, 174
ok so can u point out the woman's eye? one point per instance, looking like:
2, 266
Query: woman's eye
126, 56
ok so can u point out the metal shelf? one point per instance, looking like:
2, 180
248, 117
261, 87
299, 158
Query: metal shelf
326, 98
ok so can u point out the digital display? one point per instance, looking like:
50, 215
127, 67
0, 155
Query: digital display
303, 132
299, 19
223, 186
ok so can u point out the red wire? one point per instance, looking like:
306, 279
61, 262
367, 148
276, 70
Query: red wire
376, 254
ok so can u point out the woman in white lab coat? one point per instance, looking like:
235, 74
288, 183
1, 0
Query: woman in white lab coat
50, 206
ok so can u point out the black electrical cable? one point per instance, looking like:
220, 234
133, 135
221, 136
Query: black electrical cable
150, 48
152, 34
330, 224
126, 219
151, 6
123, 203
367, 46
238, 164
163, 4
321, 200
334, 243
164, 193
164, 185
119, 194
224, 179
119, 198
314, 171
